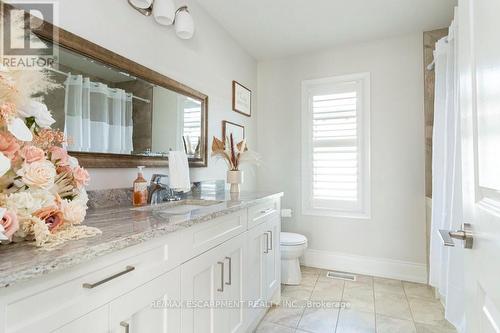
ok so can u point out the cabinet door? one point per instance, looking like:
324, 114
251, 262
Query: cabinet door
95, 322
255, 288
152, 307
272, 257
234, 281
202, 285
214, 278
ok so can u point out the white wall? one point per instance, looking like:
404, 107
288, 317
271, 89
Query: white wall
208, 62
392, 242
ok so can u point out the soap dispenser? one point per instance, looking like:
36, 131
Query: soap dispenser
140, 197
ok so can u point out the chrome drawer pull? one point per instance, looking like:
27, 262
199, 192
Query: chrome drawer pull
266, 251
126, 326
221, 289
127, 269
230, 270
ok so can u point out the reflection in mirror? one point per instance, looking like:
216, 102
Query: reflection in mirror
105, 110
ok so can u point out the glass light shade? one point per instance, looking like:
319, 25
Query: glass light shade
143, 4
164, 11
184, 25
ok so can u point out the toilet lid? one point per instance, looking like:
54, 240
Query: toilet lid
289, 238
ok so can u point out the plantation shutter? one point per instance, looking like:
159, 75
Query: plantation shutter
335, 156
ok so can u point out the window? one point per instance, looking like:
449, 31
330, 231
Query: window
336, 150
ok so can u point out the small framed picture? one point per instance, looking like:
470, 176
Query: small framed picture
236, 130
242, 99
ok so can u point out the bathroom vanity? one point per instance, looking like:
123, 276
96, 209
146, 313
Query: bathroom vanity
189, 266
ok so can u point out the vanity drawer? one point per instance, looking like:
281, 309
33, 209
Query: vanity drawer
262, 212
207, 235
53, 307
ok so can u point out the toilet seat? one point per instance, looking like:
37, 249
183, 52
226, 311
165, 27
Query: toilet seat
292, 239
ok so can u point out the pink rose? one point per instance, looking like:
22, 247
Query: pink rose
59, 155
10, 224
52, 217
32, 154
8, 144
81, 176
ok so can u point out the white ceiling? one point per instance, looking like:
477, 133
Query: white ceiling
277, 28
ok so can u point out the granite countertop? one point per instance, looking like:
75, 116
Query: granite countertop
121, 227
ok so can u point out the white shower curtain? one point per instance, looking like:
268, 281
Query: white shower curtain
446, 264
98, 118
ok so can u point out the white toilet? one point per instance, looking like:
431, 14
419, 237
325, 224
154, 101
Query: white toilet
292, 246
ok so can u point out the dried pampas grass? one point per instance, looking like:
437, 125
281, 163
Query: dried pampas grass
233, 154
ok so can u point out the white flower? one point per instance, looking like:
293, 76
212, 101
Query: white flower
38, 110
40, 174
73, 211
46, 198
19, 129
4, 164
73, 162
23, 203
82, 197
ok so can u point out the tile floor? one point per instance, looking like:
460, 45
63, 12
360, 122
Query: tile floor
370, 305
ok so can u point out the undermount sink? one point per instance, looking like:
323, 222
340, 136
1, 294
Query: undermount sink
179, 207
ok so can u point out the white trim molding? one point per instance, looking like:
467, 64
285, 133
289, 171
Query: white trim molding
381, 267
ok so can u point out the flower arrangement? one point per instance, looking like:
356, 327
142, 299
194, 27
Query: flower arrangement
42, 188
233, 154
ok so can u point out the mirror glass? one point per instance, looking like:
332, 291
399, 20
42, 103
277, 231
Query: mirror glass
105, 110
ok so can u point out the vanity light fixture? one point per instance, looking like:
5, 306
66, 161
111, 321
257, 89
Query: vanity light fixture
184, 25
164, 13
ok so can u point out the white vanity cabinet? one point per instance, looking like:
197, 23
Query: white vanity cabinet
95, 322
255, 271
272, 258
198, 280
211, 287
152, 307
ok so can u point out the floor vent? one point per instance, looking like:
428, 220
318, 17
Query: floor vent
341, 276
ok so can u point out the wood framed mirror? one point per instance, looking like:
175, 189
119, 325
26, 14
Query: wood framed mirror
117, 113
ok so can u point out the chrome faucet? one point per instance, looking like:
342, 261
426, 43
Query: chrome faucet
157, 189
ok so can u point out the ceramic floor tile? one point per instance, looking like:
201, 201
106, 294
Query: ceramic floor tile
382, 285
425, 328
322, 320
296, 292
394, 325
327, 283
359, 299
361, 280
284, 316
396, 304
328, 290
267, 327
418, 290
352, 321
427, 312
309, 280
392, 305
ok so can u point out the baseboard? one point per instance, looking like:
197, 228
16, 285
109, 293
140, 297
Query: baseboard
381, 267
